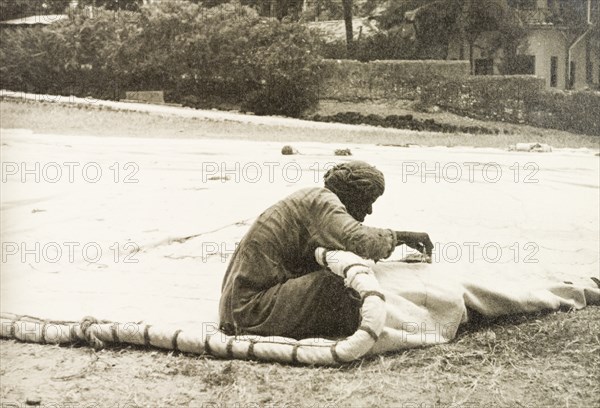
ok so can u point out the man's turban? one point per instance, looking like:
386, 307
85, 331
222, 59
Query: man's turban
355, 180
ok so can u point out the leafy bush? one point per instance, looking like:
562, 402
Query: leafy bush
567, 110
11, 9
79, 56
381, 46
225, 53
401, 122
188, 49
348, 80
489, 97
281, 70
96, 64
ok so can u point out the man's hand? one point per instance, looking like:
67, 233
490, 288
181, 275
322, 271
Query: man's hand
417, 240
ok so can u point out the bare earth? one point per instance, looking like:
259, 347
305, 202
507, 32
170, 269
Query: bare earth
546, 360
113, 119
533, 361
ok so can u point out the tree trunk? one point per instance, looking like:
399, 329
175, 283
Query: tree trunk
318, 12
282, 9
347, 4
471, 60
463, 21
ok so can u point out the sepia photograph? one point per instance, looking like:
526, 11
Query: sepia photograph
300, 203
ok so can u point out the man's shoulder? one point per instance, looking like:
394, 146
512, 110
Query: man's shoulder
301, 201
313, 192
316, 195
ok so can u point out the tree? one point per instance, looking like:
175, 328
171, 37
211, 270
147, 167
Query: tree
435, 22
11, 9
348, 24
129, 5
320, 10
289, 9
424, 23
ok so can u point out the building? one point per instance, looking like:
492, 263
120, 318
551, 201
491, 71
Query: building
562, 44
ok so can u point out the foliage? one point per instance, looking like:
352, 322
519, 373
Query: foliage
426, 39
281, 69
401, 122
11, 9
393, 14
434, 23
129, 5
323, 10
380, 46
227, 52
488, 97
575, 111
77, 56
348, 80
280, 9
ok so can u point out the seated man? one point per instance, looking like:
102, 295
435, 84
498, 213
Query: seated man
274, 286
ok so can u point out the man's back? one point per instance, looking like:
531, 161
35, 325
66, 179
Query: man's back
280, 246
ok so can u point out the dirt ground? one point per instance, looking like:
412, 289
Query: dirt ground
523, 361
95, 120
404, 107
544, 360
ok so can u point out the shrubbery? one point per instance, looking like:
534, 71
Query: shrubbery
282, 71
401, 122
489, 97
380, 46
81, 56
348, 80
193, 53
567, 110
520, 99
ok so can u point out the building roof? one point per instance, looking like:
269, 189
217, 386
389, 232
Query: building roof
38, 19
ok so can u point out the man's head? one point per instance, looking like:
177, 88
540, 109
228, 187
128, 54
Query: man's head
357, 184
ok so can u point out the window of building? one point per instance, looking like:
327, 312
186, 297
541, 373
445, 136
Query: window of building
572, 76
589, 68
484, 66
554, 72
524, 65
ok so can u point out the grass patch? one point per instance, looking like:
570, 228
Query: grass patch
541, 360
402, 122
93, 120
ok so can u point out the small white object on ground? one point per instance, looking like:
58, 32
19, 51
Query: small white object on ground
531, 147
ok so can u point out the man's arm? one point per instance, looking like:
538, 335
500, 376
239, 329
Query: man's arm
332, 227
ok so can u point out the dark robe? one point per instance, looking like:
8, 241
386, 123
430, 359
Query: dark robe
274, 286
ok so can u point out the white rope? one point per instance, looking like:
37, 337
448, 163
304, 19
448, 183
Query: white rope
317, 351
